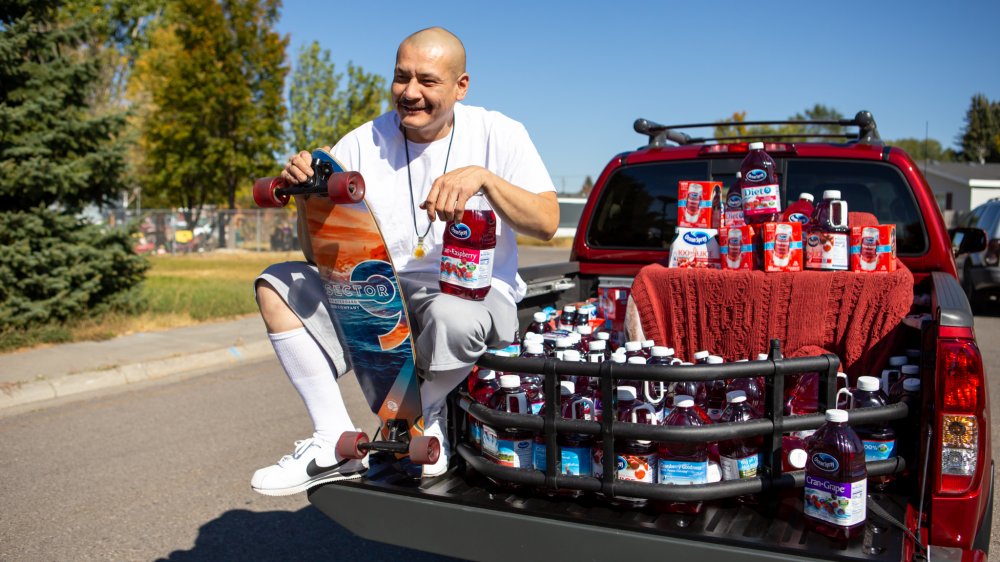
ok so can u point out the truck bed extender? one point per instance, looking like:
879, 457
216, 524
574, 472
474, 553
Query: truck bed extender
942, 512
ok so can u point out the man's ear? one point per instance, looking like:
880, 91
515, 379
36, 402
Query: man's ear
463, 86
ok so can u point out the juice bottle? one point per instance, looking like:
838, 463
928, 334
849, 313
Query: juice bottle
804, 398
509, 446
893, 372
539, 324
655, 392
733, 210
636, 384
567, 320
481, 390
586, 336
715, 392
800, 211
759, 186
682, 463
647, 348
467, 252
740, 458
597, 351
576, 452
752, 389
636, 458
879, 439
907, 372
562, 345
836, 480
634, 349
533, 384
794, 455
827, 246
907, 429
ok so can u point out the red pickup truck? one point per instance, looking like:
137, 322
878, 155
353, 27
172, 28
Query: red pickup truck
941, 511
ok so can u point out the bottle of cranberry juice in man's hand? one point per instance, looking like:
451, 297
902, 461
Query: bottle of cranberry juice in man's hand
467, 254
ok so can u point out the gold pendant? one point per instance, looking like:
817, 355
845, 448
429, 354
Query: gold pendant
419, 252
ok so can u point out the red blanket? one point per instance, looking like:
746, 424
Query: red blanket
736, 313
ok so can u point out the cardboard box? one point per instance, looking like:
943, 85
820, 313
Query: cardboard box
736, 247
873, 248
782, 246
695, 247
698, 203
827, 250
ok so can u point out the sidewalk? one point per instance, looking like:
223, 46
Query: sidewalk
52, 372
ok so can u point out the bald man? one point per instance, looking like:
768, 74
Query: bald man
421, 162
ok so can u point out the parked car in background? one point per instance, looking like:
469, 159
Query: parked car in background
979, 272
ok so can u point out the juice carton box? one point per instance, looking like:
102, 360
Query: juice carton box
736, 247
782, 246
698, 204
695, 247
612, 298
873, 248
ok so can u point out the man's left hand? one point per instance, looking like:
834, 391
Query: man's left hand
450, 192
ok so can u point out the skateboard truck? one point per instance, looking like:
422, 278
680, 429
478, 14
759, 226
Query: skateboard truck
422, 449
340, 187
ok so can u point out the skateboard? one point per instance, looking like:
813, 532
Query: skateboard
367, 306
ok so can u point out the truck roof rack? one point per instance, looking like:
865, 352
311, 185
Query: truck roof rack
659, 135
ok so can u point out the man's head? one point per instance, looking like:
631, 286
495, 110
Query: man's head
428, 80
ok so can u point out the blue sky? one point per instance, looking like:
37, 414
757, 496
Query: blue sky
578, 74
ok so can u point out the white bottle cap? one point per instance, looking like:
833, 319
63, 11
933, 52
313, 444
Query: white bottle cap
574, 337
626, 393
714, 473
648, 343
571, 355
868, 384
797, 458
683, 401
836, 416
758, 145
540, 317
597, 345
534, 348
736, 396
584, 329
486, 374
807, 196
762, 357
569, 308
660, 351
632, 346
510, 381
831, 194
897, 360
700, 355
636, 360
533, 337
715, 360
564, 342
617, 357
911, 370
603, 336
911, 385
567, 387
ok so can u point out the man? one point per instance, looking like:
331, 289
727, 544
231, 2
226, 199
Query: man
431, 153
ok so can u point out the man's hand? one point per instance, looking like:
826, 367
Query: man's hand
299, 167
450, 192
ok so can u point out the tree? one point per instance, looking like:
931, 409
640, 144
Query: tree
733, 127
321, 112
214, 74
922, 150
587, 187
980, 138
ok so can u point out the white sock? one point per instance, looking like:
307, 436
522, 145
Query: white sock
434, 392
311, 373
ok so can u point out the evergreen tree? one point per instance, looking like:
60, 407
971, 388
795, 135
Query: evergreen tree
733, 127
980, 138
921, 149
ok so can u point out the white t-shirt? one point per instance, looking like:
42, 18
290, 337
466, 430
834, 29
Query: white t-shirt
482, 138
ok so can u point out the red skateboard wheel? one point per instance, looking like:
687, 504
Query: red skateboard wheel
346, 187
264, 193
347, 445
424, 449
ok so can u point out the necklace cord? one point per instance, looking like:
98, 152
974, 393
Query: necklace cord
409, 179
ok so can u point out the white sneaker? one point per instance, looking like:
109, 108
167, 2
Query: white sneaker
313, 462
436, 425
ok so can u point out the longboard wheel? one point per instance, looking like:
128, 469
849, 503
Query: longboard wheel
348, 445
425, 449
264, 193
346, 187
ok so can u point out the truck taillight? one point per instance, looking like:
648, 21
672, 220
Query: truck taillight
992, 255
960, 416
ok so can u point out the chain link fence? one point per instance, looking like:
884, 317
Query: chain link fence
165, 231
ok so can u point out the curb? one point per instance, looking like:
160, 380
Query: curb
21, 393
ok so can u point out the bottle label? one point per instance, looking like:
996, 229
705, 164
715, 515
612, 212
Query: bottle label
879, 449
682, 472
475, 431
837, 503
637, 468
576, 461
734, 468
515, 453
536, 407
715, 414
761, 199
466, 267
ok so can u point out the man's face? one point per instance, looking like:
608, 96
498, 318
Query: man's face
425, 88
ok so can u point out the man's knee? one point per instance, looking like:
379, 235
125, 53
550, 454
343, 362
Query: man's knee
277, 315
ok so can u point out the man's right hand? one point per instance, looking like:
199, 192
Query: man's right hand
299, 167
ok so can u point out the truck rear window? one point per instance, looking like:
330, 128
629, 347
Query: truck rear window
638, 207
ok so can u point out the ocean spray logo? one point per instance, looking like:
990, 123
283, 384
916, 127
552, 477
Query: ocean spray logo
798, 217
735, 201
813, 240
826, 462
460, 230
756, 175
696, 238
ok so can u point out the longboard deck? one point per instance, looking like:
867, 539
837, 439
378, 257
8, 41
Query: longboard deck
367, 306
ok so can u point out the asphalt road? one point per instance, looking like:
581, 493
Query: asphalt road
161, 472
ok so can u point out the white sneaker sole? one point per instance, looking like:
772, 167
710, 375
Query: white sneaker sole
322, 479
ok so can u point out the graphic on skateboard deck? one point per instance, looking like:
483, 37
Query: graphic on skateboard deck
366, 303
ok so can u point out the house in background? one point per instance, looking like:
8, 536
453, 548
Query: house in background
960, 187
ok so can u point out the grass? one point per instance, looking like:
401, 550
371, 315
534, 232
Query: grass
562, 242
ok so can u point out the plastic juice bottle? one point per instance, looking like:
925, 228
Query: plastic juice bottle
879, 439
682, 463
636, 384
907, 372
655, 392
567, 320
836, 480
539, 324
715, 392
907, 429
733, 210
647, 348
752, 390
467, 252
800, 211
586, 336
827, 245
597, 351
509, 446
636, 459
485, 385
759, 186
740, 458
893, 372
532, 383
804, 398
794, 455
701, 357
634, 349
576, 456
562, 345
